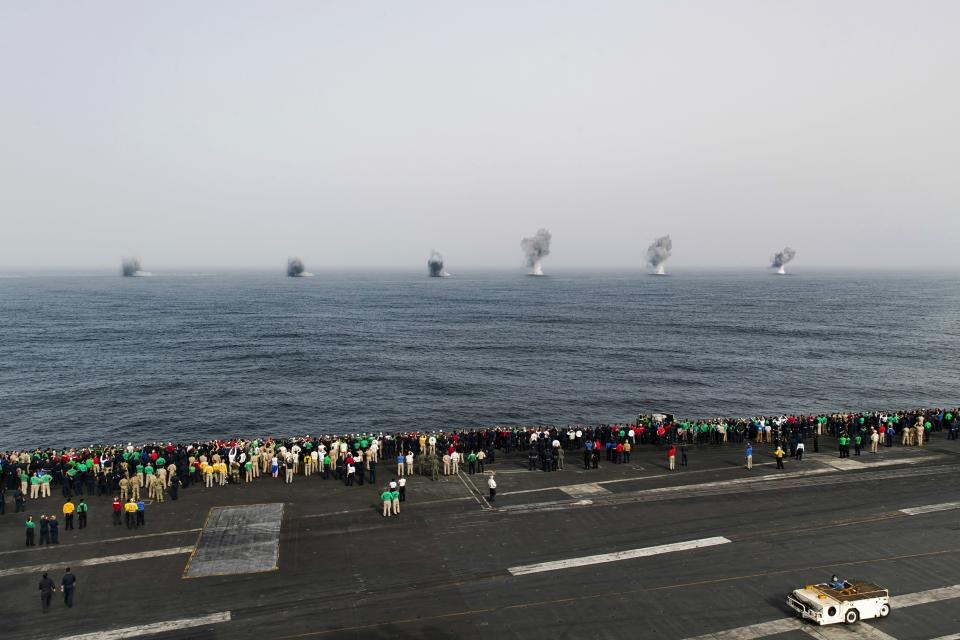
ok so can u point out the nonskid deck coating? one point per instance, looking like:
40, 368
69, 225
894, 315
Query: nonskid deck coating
235, 540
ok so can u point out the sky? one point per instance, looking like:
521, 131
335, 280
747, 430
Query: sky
365, 134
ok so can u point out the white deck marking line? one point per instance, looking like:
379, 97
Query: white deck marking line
716, 483
367, 509
156, 627
583, 490
77, 544
930, 508
88, 562
834, 463
846, 464
952, 636
842, 632
925, 597
473, 494
783, 625
486, 503
725, 484
616, 557
635, 479
754, 631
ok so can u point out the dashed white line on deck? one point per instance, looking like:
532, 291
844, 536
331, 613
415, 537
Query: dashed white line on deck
735, 481
843, 632
924, 597
931, 508
630, 554
122, 539
88, 562
154, 628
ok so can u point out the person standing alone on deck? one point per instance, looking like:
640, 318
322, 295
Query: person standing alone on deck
749, 455
82, 514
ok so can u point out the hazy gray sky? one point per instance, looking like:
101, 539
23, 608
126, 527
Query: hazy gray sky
365, 133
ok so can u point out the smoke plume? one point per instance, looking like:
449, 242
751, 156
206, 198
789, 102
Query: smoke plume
658, 252
435, 265
130, 268
295, 269
536, 249
781, 258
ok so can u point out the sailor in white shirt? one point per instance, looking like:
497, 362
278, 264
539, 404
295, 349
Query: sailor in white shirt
455, 462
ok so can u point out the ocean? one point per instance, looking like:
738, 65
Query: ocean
99, 358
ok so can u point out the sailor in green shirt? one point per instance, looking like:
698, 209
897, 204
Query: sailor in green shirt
82, 513
30, 526
248, 471
472, 462
24, 481
395, 499
34, 487
387, 498
45, 485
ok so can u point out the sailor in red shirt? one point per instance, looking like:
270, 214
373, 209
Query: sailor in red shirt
672, 457
116, 511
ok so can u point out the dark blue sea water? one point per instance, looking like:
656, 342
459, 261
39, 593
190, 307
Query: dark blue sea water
102, 358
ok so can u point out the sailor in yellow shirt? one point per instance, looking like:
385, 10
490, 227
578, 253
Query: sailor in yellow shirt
223, 473
207, 471
130, 512
68, 509
778, 454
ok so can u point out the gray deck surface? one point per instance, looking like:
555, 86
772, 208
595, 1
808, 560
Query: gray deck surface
442, 568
